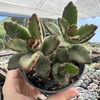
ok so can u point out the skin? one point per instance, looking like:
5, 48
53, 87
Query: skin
15, 88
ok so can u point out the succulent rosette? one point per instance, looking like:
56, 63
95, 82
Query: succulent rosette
54, 54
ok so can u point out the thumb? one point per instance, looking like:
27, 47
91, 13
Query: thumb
66, 95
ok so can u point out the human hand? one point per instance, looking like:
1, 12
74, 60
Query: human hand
15, 88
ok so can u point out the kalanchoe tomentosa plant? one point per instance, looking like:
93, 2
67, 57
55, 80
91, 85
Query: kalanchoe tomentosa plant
53, 55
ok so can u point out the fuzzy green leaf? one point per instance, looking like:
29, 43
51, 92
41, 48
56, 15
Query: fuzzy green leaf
42, 66
55, 68
34, 27
28, 61
63, 71
55, 72
43, 29
86, 31
79, 54
30, 41
18, 45
63, 24
15, 30
73, 39
70, 13
87, 38
59, 78
14, 61
71, 69
72, 30
52, 28
33, 43
62, 55
50, 44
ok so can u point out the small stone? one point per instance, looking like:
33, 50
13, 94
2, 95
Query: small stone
98, 97
92, 97
88, 74
89, 79
95, 75
96, 81
80, 98
85, 95
81, 81
86, 82
98, 90
83, 77
91, 76
80, 89
87, 92
92, 70
84, 85
93, 85
98, 78
95, 94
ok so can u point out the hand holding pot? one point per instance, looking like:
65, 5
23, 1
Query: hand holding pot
15, 88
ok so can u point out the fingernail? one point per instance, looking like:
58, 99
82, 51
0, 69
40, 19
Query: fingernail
74, 95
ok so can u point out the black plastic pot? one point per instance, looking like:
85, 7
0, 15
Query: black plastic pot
81, 67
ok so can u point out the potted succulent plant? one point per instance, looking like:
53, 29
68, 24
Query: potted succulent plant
50, 63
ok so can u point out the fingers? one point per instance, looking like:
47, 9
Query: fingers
66, 95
